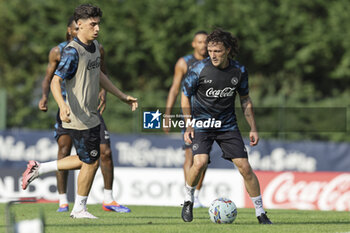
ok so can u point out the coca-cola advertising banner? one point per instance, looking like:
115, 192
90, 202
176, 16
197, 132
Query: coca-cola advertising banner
302, 190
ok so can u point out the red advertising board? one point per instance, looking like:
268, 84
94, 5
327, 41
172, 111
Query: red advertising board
302, 190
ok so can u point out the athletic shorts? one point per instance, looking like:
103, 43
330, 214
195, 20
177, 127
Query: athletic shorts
59, 130
86, 143
230, 142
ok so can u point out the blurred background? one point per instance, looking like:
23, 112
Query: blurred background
297, 54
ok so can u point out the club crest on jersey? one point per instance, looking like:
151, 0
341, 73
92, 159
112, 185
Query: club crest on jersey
234, 81
93, 153
236, 77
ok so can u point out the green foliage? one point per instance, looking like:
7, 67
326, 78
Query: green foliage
297, 53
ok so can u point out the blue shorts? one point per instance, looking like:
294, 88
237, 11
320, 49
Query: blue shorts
59, 130
86, 143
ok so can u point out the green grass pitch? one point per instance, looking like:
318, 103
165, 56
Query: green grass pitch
168, 219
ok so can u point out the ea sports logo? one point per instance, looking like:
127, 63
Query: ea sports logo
93, 153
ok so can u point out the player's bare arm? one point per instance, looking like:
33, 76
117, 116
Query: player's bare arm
247, 107
179, 73
186, 110
102, 94
109, 86
54, 58
57, 94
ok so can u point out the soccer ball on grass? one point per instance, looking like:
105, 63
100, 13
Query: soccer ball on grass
222, 210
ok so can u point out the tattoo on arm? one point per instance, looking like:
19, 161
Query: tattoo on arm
247, 107
244, 103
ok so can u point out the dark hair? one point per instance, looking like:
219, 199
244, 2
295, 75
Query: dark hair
228, 40
86, 11
200, 33
70, 21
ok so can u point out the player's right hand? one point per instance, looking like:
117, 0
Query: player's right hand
189, 135
43, 104
132, 102
103, 98
64, 113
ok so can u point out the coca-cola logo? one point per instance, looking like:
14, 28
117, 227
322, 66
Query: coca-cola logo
284, 192
93, 64
226, 92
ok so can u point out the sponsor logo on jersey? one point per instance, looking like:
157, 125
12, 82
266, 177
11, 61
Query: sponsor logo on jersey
93, 64
226, 92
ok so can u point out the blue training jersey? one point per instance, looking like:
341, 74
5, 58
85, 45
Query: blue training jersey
213, 91
190, 60
61, 46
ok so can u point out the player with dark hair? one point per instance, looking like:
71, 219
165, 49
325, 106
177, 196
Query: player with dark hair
181, 68
80, 68
209, 93
62, 137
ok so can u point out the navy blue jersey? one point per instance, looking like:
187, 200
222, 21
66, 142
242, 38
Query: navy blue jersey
61, 46
68, 64
189, 59
212, 92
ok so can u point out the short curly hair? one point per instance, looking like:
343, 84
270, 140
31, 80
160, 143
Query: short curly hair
228, 40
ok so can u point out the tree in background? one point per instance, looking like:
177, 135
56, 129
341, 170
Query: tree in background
297, 53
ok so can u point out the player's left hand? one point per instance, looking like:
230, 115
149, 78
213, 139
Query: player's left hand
254, 138
189, 135
103, 99
132, 102
43, 104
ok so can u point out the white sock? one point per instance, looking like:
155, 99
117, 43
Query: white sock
48, 167
80, 203
196, 193
108, 196
258, 204
189, 192
63, 199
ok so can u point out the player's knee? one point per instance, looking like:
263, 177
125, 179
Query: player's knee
200, 164
106, 154
246, 170
63, 151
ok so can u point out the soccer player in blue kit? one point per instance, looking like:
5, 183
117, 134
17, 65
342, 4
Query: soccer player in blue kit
80, 67
62, 137
182, 66
209, 95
